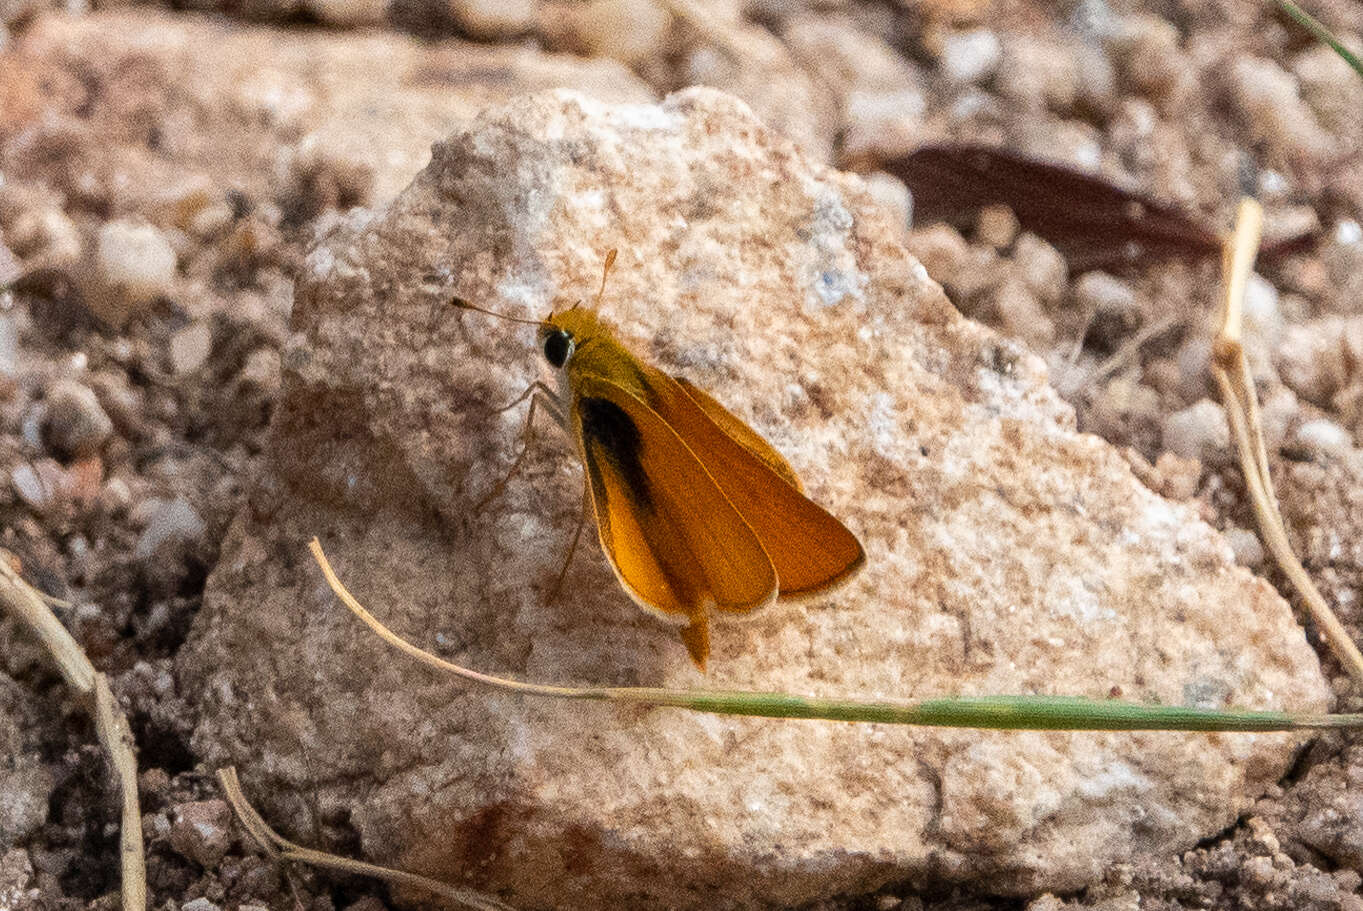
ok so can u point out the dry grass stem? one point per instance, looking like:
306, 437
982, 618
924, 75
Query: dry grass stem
1131, 348
1231, 369
1031, 713
280, 848
30, 607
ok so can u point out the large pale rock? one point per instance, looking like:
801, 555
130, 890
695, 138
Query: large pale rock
1007, 552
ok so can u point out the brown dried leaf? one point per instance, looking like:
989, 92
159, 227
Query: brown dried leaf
1091, 220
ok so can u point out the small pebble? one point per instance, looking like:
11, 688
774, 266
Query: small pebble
1161, 374
1314, 357
1279, 410
1262, 314
31, 424
1180, 476
74, 424
1108, 296
1022, 316
970, 56
1268, 98
47, 233
1038, 74
1123, 409
1258, 872
134, 264
996, 226
883, 124
10, 265
367, 903
1042, 267
84, 479
261, 370
201, 830
26, 787
1097, 80
941, 249
1330, 87
199, 904
211, 221
1248, 549
173, 523
1324, 435
1153, 62
40, 484
9, 347
115, 497
630, 31
891, 193
1194, 358
153, 783
155, 827
1112, 307
491, 20
1199, 431
190, 347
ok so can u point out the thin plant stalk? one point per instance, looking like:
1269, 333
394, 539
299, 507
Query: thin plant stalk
1032, 713
29, 607
1230, 367
1321, 33
280, 848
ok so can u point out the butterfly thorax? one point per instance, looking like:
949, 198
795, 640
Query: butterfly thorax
595, 352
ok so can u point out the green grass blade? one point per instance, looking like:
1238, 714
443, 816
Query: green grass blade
1008, 713
1321, 33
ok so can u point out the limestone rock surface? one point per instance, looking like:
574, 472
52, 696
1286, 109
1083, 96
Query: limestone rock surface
1007, 552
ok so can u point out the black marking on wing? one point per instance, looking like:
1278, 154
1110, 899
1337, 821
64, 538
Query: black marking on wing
608, 432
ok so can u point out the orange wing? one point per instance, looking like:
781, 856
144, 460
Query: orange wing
741, 433
810, 549
676, 543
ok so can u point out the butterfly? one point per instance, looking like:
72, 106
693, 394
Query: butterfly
697, 514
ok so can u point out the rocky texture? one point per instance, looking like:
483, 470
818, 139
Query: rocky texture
336, 115
1008, 553
26, 783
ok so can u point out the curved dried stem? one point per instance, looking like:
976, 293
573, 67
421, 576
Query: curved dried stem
1012, 713
1230, 367
280, 848
30, 607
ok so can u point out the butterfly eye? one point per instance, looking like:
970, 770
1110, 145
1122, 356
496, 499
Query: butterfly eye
558, 347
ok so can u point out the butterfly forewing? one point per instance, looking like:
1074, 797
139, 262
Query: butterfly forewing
675, 541
810, 549
740, 432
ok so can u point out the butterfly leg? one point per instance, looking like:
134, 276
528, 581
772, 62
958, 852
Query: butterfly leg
536, 388
540, 397
572, 548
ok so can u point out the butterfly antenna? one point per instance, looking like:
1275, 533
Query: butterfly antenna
465, 305
605, 274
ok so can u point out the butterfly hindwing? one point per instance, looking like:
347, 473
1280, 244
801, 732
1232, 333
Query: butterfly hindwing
810, 549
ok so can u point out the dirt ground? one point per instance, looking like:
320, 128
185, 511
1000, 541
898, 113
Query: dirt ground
135, 400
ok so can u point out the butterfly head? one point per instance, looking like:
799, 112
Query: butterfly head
565, 332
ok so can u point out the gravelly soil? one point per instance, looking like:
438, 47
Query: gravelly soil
133, 407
